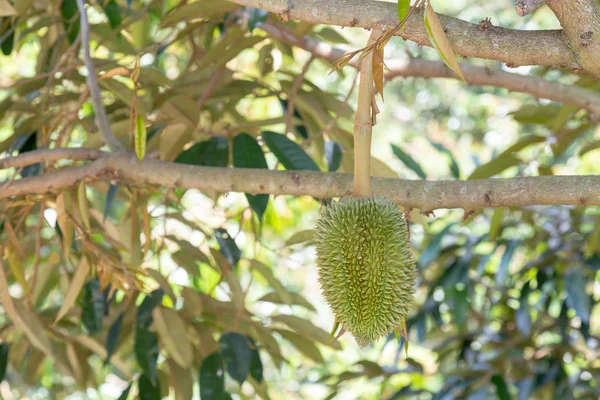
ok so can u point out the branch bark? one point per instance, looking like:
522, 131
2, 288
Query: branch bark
101, 118
580, 20
425, 195
483, 76
49, 155
546, 47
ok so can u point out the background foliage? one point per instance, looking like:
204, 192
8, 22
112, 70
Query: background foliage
110, 291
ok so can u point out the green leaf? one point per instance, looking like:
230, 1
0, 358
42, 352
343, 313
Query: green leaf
503, 268
92, 312
114, 333
501, 389
522, 315
4, 348
494, 167
247, 153
125, 394
432, 251
307, 329
460, 306
70, 14
439, 40
140, 137
506, 159
112, 11
148, 390
213, 153
403, 8
454, 169
302, 344
228, 246
267, 273
236, 354
145, 342
409, 161
256, 17
496, 222
256, 366
296, 299
110, 196
8, 41
288, 152
577, 297
333, 154
212, 378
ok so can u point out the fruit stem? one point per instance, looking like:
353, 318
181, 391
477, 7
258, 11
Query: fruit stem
363, 124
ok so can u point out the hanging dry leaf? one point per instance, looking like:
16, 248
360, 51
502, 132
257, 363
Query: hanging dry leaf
6, 10
172, 333
440, 42
79, 279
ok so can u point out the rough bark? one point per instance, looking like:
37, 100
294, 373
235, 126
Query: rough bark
425, 195
514, 47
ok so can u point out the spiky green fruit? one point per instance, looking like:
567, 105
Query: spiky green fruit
365, 265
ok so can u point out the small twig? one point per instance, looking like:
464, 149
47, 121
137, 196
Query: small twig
210, 88
294, 93
101, 118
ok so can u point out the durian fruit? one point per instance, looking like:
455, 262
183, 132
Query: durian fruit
365, 265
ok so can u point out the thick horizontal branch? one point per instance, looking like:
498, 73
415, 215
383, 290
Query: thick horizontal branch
482, 76
515, 47
425, 195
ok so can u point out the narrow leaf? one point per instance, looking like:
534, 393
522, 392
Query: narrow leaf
228, 246
333, 154
236, 354
501, 389
112, 11
503, 268
439, 40
4, 348
577, 298
403, 8
70, 14
409, 161
148, 390
110, 196
256, 366
288, 152
114, 333
496, 222
146, 342
212, 153
125, 394
92, 312
140, 137
212, 378
247, 153
79, 278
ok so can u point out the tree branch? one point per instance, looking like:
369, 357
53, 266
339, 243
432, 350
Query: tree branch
49, 155
580, 20
538, 87
547, 47
526, 7
101, 118
425, 195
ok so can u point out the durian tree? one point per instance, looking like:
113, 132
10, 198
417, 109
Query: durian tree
284, 199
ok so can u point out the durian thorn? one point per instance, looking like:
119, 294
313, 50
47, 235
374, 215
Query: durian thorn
339, 335
336, 325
